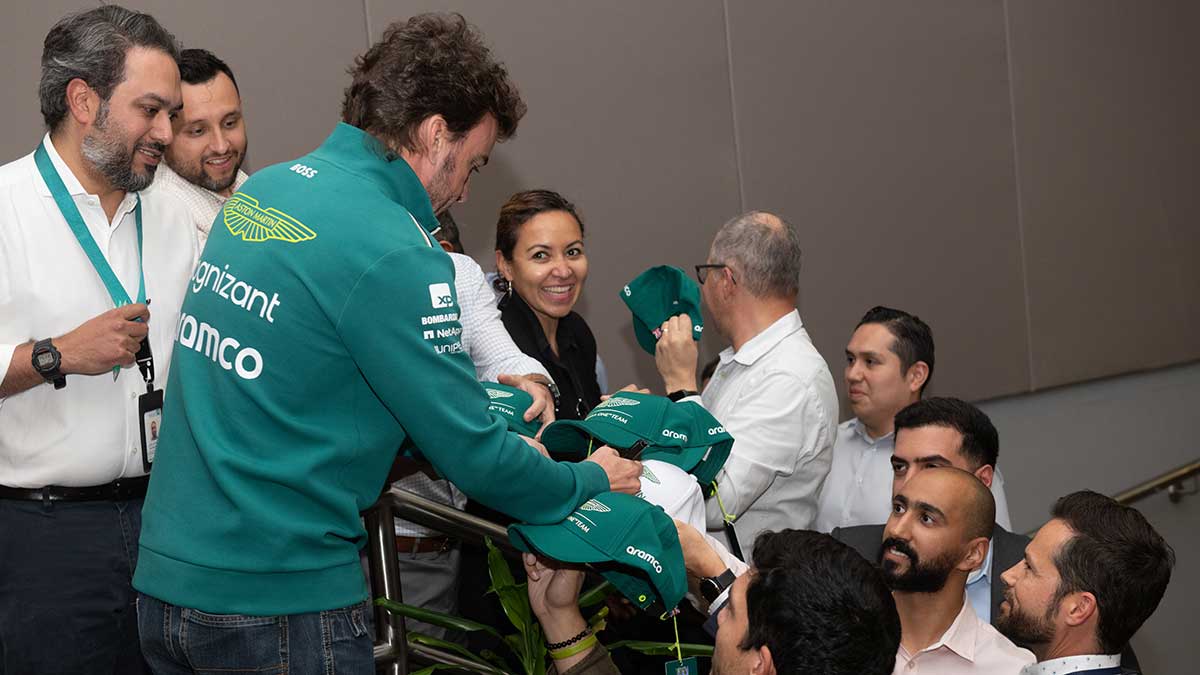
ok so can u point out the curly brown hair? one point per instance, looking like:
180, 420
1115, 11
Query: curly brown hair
431, 64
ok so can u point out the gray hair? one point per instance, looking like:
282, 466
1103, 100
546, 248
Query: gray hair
765, 250
91, 46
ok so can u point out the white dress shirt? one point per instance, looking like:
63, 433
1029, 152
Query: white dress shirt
202, 205
493, 352
776, 397
1073, 664
968, 647
88, 433
858, 490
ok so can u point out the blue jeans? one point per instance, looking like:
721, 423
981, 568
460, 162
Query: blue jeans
66, 603
181, 640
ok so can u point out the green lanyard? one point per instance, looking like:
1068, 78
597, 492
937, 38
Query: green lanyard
70, 212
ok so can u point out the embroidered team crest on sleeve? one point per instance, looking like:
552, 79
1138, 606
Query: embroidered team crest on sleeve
246, 219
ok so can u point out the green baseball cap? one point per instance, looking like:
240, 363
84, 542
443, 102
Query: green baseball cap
683, 434
658, 294
509, 404
630, 542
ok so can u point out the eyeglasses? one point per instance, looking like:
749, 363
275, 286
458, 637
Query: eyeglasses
702, 271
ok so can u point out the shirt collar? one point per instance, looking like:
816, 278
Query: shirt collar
364, 155
1073, 664
760, 344
984, 571
960, 637
860, 429
74, 187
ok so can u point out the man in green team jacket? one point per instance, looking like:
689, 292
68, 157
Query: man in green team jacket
320, 334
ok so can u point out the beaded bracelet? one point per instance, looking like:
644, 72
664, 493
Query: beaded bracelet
567, 652
566, 643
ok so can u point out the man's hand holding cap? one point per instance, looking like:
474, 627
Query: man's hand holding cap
624, 475
676, 354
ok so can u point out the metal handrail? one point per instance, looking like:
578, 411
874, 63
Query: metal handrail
391, 653
447, 519
391, 647
1170, 481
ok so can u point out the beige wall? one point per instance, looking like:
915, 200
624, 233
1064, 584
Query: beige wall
1021, 174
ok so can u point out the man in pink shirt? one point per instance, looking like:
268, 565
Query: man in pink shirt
937, 534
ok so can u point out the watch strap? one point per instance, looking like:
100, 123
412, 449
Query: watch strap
549, 384
680, 394
53, 374
712, 587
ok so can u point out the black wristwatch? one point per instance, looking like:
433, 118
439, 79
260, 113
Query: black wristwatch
713, 587
46, 361
680, 394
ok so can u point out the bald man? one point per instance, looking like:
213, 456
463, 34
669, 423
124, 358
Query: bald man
938, 533
771, 390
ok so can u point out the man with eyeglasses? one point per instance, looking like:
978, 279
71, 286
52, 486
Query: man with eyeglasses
772, 390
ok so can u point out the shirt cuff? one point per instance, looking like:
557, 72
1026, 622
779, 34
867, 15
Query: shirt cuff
6, 354
731, 561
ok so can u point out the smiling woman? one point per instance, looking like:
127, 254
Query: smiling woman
542, 264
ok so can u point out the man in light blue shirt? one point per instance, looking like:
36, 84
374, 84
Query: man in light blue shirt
889, 363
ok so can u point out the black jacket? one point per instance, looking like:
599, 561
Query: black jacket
1007, 550
573, 369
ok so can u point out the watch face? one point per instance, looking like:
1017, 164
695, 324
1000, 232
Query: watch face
45, 360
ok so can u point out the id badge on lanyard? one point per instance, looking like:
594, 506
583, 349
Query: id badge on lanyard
150, 403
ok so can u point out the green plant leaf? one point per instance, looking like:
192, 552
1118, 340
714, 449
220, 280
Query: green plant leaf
662, 648
446, 645
433, 618
528, 646
596, 594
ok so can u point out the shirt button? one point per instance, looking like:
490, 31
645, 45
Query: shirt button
911, 665
859, 481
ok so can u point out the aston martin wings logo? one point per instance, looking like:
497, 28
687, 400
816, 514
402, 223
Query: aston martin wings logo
593, 505
617, 402
246, 219
496, 393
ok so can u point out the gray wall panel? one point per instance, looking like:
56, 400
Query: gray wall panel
882, 130
629, 117
290, 61
1109, 435
1107, 170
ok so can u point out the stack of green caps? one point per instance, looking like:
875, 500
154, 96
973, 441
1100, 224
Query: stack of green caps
658, 294
509, 404
631, 542
683, 434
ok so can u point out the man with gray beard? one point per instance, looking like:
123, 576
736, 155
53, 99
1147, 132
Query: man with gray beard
82, 252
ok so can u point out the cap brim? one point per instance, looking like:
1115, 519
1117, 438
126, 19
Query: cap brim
684, 458
559, 542
573, 436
